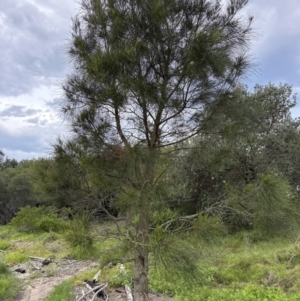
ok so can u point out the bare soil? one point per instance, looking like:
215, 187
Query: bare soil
39, 280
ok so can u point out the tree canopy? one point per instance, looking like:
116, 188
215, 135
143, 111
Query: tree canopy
145, 76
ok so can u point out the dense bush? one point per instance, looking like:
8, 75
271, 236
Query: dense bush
32, 219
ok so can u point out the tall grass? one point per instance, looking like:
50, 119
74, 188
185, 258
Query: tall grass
9, 286
79, 235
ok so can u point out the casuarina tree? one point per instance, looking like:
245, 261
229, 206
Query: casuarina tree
145, 73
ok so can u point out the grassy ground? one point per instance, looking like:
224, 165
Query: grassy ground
236, 268
9, 285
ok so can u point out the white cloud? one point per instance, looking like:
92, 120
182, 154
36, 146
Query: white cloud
33, 36
29, 124
275, 22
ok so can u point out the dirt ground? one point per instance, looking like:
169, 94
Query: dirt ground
39, 280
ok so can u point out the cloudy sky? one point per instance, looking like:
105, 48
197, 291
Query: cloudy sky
33, 35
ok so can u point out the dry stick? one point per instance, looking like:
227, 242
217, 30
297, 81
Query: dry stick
98, 291
128, 293
96, 277
88, 292
37, 268
36, 258
91, 290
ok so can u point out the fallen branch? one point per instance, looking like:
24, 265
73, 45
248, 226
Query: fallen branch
100, 287
128, 293
98, 291
37, 258
35, 267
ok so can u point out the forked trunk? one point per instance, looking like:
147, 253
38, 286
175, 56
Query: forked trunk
140, 291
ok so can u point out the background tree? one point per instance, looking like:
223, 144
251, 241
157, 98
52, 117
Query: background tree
253, 135
144, 74
15, 188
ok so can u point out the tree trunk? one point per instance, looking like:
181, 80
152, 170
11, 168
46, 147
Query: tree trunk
140, 291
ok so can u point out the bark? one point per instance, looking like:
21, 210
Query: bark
140, 291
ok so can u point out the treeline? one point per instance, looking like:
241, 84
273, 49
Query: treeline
242, 169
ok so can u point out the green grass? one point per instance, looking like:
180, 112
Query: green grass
9, 286
233, 266
4, 245
240, 269
15, 258
62, 292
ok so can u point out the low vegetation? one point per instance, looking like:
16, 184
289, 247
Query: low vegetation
62, 291
33, 219
240, 266
9, 285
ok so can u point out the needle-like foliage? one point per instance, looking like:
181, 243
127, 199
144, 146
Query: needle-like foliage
144, 73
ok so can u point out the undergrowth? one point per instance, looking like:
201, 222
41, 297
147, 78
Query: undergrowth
32, 219
9, 285
61, 292
15, 258
4, 245
237, 267
79, 235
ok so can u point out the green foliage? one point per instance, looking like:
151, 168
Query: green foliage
208, 229
15, 258
253, 134
60, 181
158, 283
117, 254
9, 286
30, 219
161, 216
267, 206
61, 292
4, 245
3, 269
248, 293
274, 211
79, 235
15, 188
175, 258
120, 275
50, 223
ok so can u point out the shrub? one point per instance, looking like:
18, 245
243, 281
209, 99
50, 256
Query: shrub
32, 219
50, 223
79, 236
121, 277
